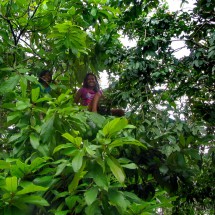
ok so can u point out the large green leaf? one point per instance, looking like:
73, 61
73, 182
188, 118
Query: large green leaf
29, 187
63, 146
4, 165
20, 169
93, 208
116, 169
75, 140
114, 126
35, 93
96, 172
117, 198
44, 181
125, 140
9, 84
78, 176
23, 104
34, 140
38, 163
91, 195
77, 160
11, 184
33, 199
69, 35
47, 129
23, 84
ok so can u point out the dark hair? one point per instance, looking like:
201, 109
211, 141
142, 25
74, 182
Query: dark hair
42, 74
97, 87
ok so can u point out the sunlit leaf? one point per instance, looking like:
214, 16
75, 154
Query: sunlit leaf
29, 187
114, 126
11, 184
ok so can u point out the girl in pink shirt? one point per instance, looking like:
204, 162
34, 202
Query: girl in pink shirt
90, 93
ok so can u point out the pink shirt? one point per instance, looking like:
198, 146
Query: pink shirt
87, 95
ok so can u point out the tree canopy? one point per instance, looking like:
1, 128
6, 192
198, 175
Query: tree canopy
58, 158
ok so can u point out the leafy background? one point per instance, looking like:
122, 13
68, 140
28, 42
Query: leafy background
57, 158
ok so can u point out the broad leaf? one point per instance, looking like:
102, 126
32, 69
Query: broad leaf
29, 187
114, 126
11, 184
9, 84
77, 160
35, 200
118, 199
91, 195
125, 140
116, 169
34, 140
35, 93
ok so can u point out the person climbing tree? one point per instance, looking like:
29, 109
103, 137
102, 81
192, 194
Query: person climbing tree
45, 79
90, 93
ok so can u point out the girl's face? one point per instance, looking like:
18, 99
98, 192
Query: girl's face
91, 81
47, 77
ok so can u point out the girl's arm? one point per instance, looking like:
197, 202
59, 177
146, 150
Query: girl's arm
94, 104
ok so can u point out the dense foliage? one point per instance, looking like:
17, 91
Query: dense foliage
58, 158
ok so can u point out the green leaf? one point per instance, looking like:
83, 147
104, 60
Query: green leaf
15, 137
125, 140
71, 201
62, 212
93, 209
24, 104
96, 173
7, 69
78, 176
163, 169
11, 184
47, 129
13, 117
193, 153
130, 166
91, 195
20, 169
29, 187
4, 165
114, 126
38, 163
189, 140
23, 70
9, 84
132, 197
182, 140
60, 168
34, 140
180, 159
23, 84
96, 118
35, 200
117, 199
62, 146
43, 181
35, 93
93, 11
31, 79
116, 169
77, 141
77, 161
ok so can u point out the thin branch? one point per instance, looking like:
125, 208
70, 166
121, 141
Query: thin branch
25, 27
31, 48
